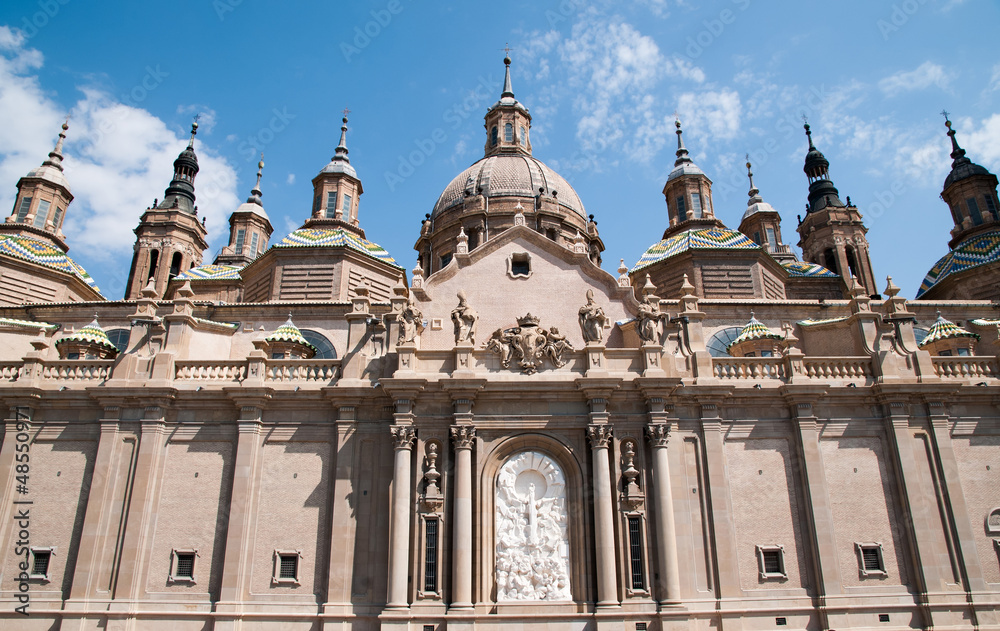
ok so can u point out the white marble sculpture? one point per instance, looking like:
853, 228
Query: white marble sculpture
532, 542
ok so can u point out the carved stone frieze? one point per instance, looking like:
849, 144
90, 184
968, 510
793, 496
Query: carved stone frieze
529, 344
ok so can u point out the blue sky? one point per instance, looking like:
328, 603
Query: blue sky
602, 80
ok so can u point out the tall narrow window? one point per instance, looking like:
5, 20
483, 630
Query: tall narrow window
696, 205
508, 133
756, 238
681, 209
154, 260
240, 238
331, 204
977, 217
493, 136
430, 555
57, 217
316, 202
22, 211
852, 262
991, 206
175, 264
43, 213
831, 261
772, 241
635, 551
524, 137
253, 244
347, 204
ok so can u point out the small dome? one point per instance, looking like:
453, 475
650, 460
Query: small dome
250, 207
754, 330
90, 335
288, 332
685, 168
758, 207
45, 254
964, 170
339, 166
944, 329
50, 174
513, 175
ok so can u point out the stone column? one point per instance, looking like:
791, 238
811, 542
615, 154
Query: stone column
242, 509
604, 534
145, 479
464, 437
720, 503
94, 535
663, 500
399, 519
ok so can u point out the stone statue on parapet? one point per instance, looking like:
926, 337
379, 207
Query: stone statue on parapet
465, 319
592, 319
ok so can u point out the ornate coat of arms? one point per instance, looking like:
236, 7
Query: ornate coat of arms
529, 344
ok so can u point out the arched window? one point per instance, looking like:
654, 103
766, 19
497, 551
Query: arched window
154, 260
324, 347
175, 264
920, 333
508, 133
119, 337
830, 261
852, 262
493, 135
719, 343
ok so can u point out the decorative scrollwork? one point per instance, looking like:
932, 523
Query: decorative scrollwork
529, 344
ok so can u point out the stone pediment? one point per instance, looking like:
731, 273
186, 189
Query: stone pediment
517, 272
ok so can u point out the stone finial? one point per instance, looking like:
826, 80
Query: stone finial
463, 242
648, 287
399, 289
623, 280
519, 215
579, 247
185, 291
418, 277
149, 291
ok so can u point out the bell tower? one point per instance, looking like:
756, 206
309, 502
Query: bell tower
43, 196
508, 123
249, 228
337, 191
833, 233
169, 237
688, 193
762, 223
971, 193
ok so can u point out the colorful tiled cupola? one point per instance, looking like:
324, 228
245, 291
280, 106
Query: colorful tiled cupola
755, 340
948, 339
288, 342
89, 342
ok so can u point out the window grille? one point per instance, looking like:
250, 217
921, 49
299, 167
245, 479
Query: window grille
288, 566
42, 213
635, 551
240, 238
347, 204
430, 555
184, 565
22, 212
40, 563
508, 133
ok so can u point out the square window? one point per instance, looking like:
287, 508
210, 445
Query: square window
870, 560
519, 265
41, 559
963, 352
771, 562
182, 566
286, 567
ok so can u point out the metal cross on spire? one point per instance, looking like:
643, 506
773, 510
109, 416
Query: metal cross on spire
506, 48
346, 112
946, 115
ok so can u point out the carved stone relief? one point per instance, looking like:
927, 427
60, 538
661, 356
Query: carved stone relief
532, 540
529, 344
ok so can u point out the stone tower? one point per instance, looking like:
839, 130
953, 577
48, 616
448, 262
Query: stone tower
169, 238
249, 229
336, 191
971, 193
42, 198
762, 223
833, 233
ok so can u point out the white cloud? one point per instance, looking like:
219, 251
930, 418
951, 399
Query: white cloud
716, 112
983, 144
290, 179
658, 8
995, 79
117, 157
926, 75
206, 116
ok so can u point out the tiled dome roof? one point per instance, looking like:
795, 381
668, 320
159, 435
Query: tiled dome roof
802, 268
944, 329
211, 272
509, 175
754, 330
90, 334
42, 253
336, 238
703, 239
975, 251
288, 332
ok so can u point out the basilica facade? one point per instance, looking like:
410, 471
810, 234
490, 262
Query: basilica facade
305, 434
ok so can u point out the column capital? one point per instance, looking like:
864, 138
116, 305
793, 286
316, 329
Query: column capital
463, 436
658, 434
599, 435
403, 436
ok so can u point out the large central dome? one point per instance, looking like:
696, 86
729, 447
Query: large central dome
509, 175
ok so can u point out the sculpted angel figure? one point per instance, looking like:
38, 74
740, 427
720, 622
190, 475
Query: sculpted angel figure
555, 344
592, 319
411, 321
465, 319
